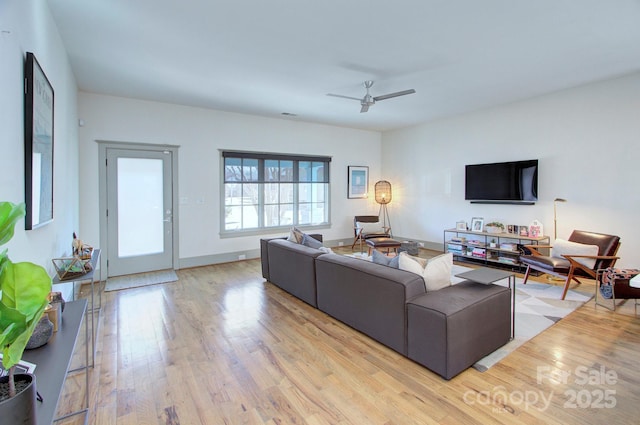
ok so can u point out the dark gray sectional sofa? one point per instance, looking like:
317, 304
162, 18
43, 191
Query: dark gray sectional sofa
446, 330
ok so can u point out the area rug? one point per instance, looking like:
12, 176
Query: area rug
538, 306
140, 279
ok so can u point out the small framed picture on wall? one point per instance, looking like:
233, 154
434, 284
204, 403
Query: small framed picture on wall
358, 182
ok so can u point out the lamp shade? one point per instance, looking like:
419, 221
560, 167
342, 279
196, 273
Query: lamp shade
383, 192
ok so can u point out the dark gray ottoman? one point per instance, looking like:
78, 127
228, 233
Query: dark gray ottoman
454, 327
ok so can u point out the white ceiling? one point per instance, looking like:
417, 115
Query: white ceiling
266, 57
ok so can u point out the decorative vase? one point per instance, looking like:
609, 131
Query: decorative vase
56, 297
41, 334
20, 409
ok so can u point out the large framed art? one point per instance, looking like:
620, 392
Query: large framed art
38, 145
358, 184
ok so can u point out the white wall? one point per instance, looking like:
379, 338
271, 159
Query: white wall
200, 133
28, 26
586, 139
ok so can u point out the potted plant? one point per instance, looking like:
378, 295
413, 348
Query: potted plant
494, 227
23, 297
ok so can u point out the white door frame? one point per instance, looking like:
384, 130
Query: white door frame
103, 145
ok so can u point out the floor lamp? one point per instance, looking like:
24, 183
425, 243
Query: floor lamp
555, 234
555, 219
383, 197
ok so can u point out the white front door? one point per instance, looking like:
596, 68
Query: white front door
139, 211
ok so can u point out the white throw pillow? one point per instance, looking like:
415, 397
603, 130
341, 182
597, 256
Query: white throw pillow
562, 247
436, 273
295, 235
410, 264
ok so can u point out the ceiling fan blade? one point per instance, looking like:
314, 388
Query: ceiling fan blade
365, 108
396, 94
345, 97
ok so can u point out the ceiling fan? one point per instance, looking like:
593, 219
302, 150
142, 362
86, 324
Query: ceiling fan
369, 100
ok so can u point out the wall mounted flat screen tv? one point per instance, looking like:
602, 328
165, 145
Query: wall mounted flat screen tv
513, 182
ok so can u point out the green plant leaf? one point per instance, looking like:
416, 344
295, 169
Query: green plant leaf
9, 214
25, 287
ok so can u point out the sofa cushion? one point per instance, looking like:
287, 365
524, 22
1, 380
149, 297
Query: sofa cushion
379, 258
563, 247
436, 272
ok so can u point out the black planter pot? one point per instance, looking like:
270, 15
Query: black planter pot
21, 409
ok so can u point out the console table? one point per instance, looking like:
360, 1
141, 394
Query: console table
53, 359
467, 245
89, 277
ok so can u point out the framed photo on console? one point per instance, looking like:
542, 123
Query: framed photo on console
477, 224
358, 182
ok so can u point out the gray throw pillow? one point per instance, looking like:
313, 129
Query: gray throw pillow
310, 242
379, 258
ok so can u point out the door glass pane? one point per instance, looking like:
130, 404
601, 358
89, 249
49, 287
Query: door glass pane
140, 207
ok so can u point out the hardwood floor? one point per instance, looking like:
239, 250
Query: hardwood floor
222, 346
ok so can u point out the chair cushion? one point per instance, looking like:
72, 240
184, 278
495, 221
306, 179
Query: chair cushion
562, 247
543, 263
383, 243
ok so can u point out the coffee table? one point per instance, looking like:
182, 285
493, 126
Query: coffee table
488, 276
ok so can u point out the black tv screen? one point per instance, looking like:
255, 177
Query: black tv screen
502, 182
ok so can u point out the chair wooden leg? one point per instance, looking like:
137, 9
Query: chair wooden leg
526, 275
568, 282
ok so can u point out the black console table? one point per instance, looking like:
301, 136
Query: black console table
52, 362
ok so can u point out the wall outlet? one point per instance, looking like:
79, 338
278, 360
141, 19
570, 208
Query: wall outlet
242, 257
340, 243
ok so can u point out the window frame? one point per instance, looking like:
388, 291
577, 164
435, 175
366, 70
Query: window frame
261, 181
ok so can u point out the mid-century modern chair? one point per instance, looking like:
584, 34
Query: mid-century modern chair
571, 266
362, 234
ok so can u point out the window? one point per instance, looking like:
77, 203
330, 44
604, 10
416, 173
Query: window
265, 191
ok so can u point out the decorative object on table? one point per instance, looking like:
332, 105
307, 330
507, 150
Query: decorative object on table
68, 268
80, 249
461, 225
41, 333
494, 227
493, 243
38, 145
24, 288
358, 182
54, 314
523, 230
477, 223
536, 230
56, 297
383, 197
555, 219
